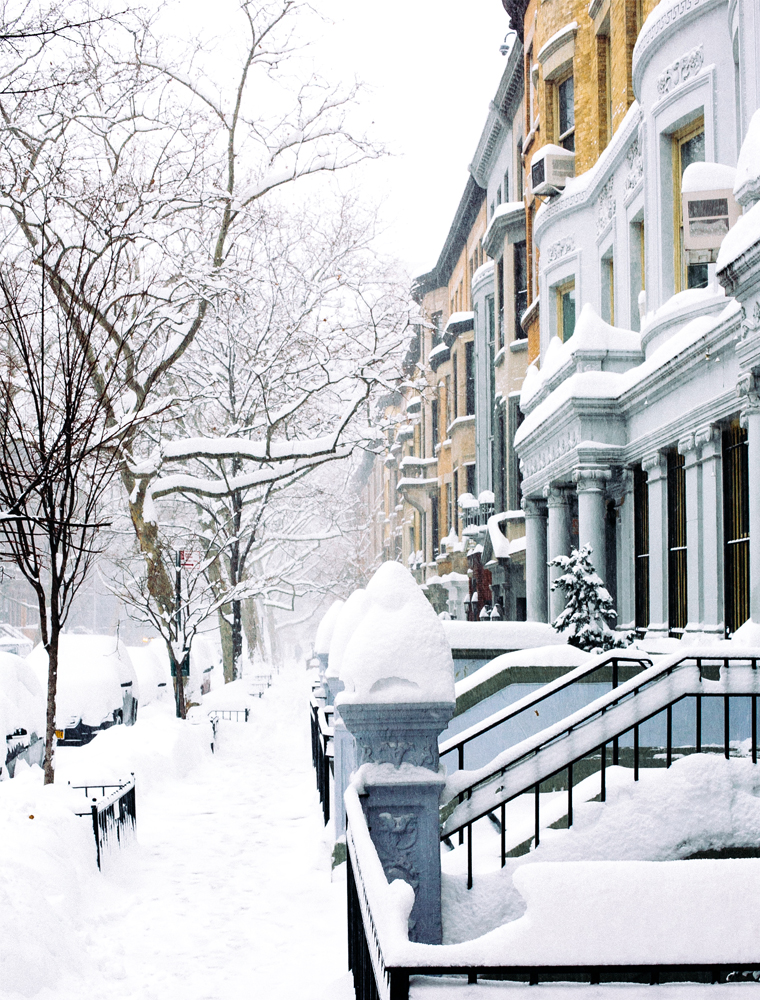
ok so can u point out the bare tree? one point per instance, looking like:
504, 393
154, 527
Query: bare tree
57, 459
277, 385
140, 159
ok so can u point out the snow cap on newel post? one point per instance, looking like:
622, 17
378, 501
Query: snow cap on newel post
398, 697
349, 616
324, 635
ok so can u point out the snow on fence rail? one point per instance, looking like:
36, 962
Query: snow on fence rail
114, 816
384, 963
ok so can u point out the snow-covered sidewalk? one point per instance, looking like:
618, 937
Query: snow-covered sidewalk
229, 893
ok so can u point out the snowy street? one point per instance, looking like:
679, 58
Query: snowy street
228, 894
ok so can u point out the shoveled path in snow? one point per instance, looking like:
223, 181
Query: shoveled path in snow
229, 894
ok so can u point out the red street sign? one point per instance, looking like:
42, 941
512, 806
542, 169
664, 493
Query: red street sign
188, 559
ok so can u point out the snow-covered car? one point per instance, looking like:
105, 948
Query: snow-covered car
97, 685
204, 659
13, 640
152, 668
22, 714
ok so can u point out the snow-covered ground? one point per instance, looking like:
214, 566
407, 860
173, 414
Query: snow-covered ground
228, 893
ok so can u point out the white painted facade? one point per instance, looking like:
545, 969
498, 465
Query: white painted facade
647, 375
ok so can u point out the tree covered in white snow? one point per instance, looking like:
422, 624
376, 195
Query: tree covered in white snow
589, 612
133, 156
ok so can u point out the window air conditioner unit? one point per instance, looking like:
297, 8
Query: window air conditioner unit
709, 209
550, 168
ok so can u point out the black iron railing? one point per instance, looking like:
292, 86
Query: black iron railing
624, 710
229, 714
610, 666
114, 815
322, 752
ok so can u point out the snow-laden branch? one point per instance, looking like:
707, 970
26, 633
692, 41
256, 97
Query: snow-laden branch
180, 483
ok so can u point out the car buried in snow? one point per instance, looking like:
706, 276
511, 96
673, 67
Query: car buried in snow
22, 714
97, 686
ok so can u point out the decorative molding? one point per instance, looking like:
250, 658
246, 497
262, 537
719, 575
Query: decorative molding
556, 496
385, 748
606, 206
395, 837
553, 449
687, 443
635, 162
653, 461
707, 434
560, 248
750, 325
748, 390
682, 69
533, 508
591, 480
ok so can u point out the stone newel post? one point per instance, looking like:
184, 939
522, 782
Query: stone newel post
398, 698
402, 797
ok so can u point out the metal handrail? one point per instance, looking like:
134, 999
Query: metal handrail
459, 741
597, 707
532, 747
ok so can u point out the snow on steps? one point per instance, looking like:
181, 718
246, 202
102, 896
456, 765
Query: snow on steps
538, 757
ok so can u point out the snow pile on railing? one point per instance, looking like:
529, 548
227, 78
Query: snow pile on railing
326, 628
398, 651
605, 892
346, 622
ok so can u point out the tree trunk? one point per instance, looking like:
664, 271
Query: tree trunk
179, 682
225, 631
52, 689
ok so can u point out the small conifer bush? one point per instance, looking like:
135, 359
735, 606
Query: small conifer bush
588, 612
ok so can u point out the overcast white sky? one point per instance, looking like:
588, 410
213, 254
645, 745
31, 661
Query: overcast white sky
431, 67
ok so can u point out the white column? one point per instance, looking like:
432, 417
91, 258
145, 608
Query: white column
688, 448
751, 414
558, 504
535, 560
655, 466
591, 484
626, 562
711, 529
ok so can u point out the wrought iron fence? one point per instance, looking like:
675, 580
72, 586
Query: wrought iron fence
491, 789
114, 816
642, 698
229, 714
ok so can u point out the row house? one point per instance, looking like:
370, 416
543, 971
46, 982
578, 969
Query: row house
639, 409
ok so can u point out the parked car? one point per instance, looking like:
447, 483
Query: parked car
22, 714
13, 640
97, 686
153, 675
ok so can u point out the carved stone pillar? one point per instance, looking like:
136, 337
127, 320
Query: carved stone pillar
559, 525
591, 485
656, 468
749, 389
535, 560
401, 798
712, 614
688, 448
622, 492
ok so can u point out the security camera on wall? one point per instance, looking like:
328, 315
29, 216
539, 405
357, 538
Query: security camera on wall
550, 169
709, 209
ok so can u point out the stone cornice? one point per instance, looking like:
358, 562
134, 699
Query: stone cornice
742, 275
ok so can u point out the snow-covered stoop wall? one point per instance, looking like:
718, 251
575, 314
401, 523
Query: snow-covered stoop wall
661, 882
